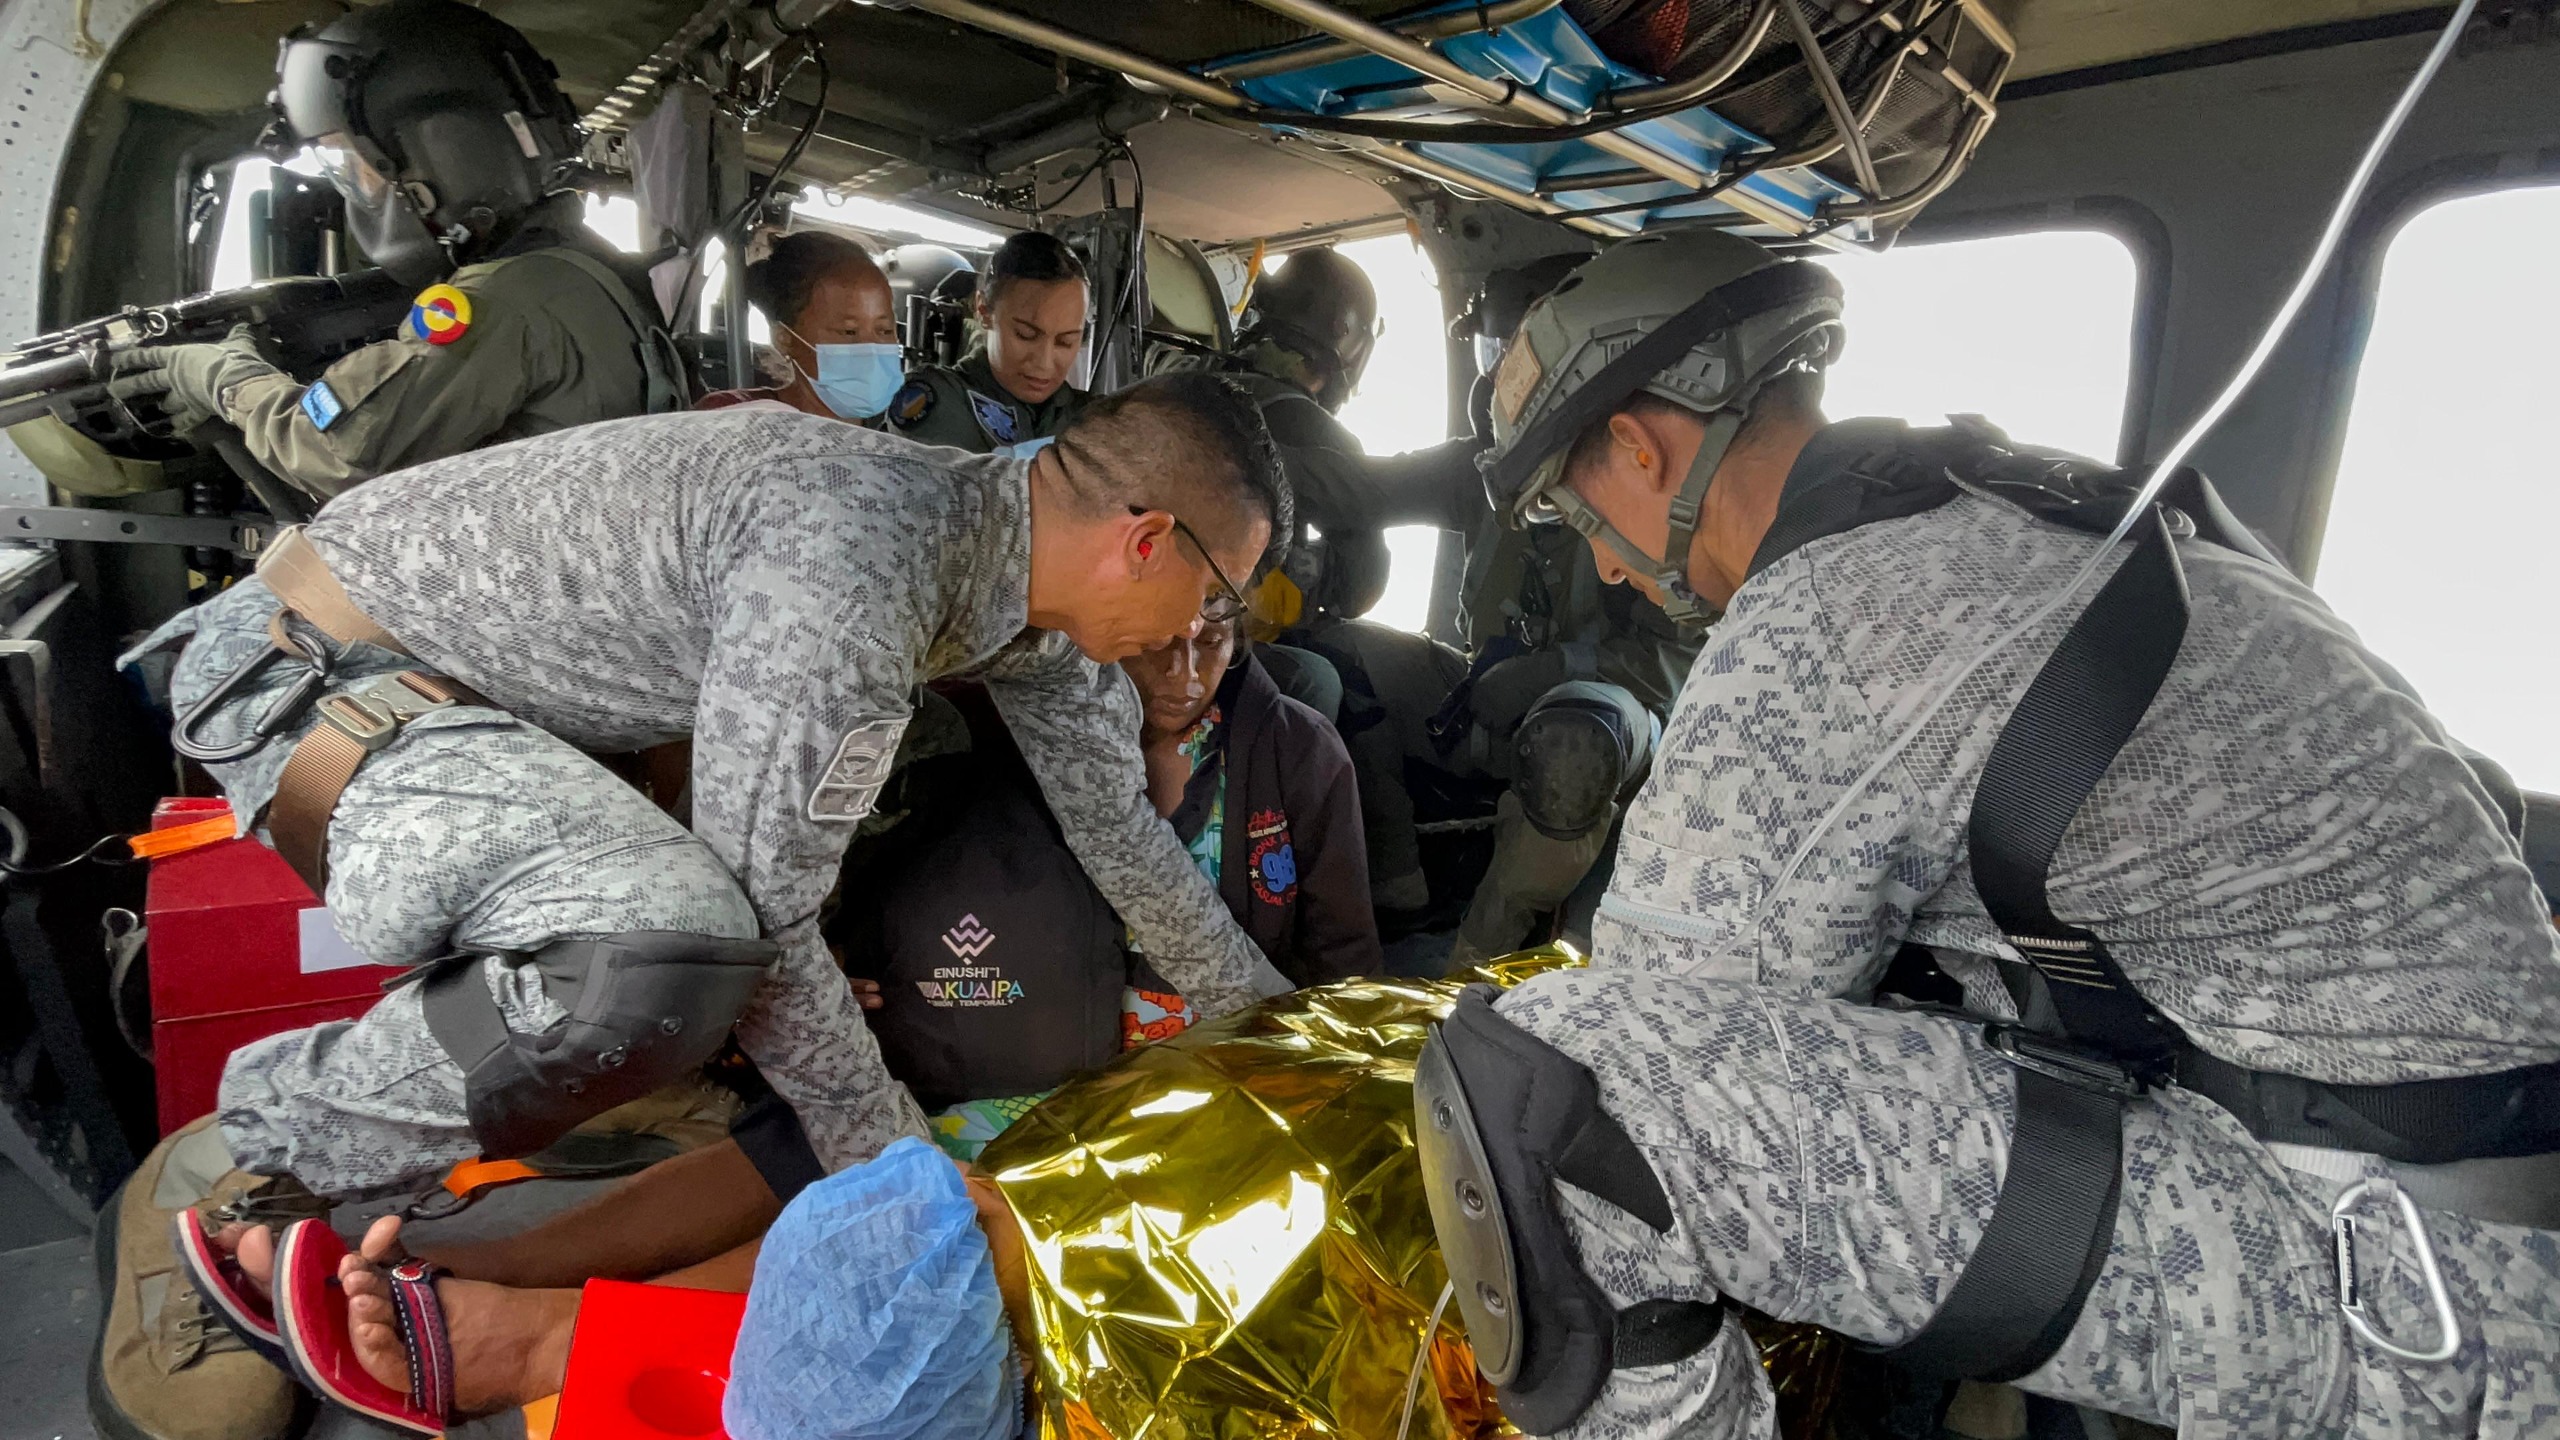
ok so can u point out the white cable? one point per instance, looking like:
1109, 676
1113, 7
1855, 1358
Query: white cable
2247, 374
1422, 1352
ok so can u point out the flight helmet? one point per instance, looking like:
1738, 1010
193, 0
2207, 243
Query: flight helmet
440, 124
1322, 308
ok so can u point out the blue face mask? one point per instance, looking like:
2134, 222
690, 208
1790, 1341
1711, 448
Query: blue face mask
856, 381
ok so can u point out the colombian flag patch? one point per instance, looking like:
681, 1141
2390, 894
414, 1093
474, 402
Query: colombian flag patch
440, 315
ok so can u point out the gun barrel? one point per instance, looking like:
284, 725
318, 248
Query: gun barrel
13, 412
44, 376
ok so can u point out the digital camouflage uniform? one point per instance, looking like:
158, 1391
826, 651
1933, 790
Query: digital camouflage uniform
964, 407
2289, 858
1837, 1163
548, 345
774, 585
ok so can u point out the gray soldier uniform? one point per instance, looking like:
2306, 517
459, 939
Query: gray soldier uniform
2289, 858
776, 586
1837, 1163
555, 339
474, 831
963, 406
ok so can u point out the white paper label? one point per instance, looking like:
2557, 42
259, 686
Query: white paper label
323, 948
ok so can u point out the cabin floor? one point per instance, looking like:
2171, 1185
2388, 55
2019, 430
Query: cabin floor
48, 1314
50, 1307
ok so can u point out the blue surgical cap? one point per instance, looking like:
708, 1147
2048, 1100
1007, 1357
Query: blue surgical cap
874, 1314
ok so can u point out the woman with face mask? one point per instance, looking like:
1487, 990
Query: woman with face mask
1009, 392
835, 329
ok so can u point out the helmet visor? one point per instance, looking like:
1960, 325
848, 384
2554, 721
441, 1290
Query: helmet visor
354, 174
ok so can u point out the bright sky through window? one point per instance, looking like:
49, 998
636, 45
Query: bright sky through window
2438, 543
1403, 404
2034, 331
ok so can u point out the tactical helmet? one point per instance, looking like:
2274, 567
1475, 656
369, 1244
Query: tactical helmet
1701, 318
441, 125
1322, 307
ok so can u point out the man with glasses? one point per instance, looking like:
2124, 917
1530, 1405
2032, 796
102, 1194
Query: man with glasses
430, 656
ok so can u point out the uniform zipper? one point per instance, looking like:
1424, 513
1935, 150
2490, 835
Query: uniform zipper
1614, 906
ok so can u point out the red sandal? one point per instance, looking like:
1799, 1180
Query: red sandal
312, 1311
225, 1287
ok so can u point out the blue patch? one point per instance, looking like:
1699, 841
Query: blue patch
1280, 868
321, 404
995, 418
911, 404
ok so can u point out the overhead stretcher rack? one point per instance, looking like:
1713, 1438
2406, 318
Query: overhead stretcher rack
1832, 121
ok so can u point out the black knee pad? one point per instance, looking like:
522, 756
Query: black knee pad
646, 1007
1570, 759
1500, 1118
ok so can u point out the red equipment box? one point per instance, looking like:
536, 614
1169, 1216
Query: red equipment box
240, 949
647, 1362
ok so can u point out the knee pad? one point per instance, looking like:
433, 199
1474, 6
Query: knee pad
645, 1008
1571, 756
1499, 1116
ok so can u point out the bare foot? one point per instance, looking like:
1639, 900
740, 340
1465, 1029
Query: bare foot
254, 1247
510, 1346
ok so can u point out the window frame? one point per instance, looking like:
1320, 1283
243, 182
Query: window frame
2129, 222
2357, 296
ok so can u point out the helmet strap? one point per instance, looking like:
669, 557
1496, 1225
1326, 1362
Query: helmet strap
1670, 570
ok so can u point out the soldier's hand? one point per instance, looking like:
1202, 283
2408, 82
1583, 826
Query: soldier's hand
188, 382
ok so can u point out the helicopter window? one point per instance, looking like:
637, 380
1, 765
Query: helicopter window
2033, 330
617, 219
251, 175
1402, 404
2437, 543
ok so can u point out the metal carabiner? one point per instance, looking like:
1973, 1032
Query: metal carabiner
2342, 1223
286, 709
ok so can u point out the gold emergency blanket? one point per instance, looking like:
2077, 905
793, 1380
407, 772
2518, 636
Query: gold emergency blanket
1227, 1236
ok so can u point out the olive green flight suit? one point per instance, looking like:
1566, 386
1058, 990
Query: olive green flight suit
554, 340
962, 406
1534, 594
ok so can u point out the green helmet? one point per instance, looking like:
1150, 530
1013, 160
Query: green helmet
1698, 317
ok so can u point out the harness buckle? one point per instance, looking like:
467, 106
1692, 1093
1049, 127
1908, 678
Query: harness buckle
371, 714
2056, 1060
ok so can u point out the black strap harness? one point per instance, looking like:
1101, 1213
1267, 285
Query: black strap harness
2050, 1229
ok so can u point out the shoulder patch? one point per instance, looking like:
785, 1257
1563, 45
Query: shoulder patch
440, 315
995, 418
911, 404
321, 404
851, 784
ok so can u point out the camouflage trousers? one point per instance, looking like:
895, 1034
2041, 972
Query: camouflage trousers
472, 830
1836, 1163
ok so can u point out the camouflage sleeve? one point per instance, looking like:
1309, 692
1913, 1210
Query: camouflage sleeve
1837, 1164
406, 400
803, 700
1077, 724
1767, 732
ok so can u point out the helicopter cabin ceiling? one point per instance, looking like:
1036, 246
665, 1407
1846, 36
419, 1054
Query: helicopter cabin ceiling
919, 105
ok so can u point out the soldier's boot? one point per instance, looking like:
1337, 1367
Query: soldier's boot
1531, 874
166, 1367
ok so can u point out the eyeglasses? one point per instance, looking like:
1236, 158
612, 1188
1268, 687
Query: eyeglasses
1219, 609
1223, 607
